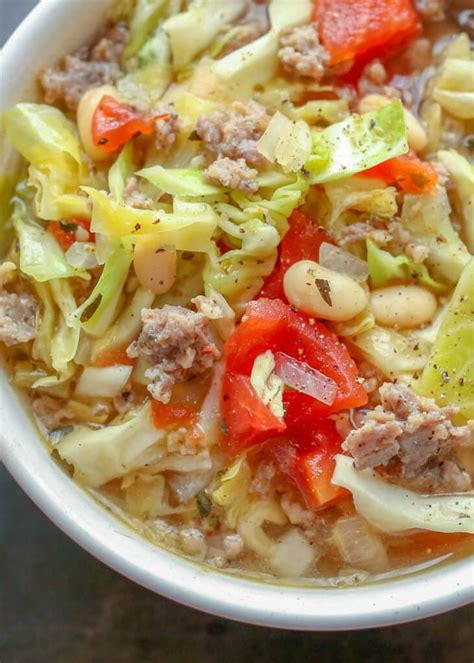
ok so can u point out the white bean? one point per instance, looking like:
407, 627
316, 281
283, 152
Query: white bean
322, 293
85, 112
155, 266
416, 135
403, 306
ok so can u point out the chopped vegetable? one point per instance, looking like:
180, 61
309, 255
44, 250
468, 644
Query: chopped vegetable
65, 232
106, 382
385, 268
449, 374
343, 262
302, 242
302, 377
115, 123
98, 456
357, 143
427, 219
308, 459
392, 508
272, 325
407, 172
369, 30
286, 143
267, 385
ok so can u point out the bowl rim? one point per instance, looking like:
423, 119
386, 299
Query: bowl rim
406, 598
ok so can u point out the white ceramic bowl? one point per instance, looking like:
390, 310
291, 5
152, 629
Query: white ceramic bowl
53, 28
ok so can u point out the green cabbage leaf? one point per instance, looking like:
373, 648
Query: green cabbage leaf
49, 142
188, 228
427, 218
448, 376
384, 268
462, 177
41, 257
100, 455
357, 143
393, 508
179, 181
99, 310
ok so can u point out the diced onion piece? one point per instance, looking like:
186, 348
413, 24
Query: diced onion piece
286, 142
343, 262
301, 376
105, 382
293, 555
358, 546
82, 255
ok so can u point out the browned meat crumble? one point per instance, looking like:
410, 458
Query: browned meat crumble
411, 436
177, 345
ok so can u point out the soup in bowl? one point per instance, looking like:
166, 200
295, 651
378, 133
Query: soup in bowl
237, 290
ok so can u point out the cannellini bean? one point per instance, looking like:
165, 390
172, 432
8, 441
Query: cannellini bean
403, 306
85, 113
323, 293
155, 265
416, 135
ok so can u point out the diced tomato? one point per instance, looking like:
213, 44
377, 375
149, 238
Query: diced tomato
308, 459
115, 123
248, 421
64, 232
113, 358
302, 242
273, 325
408, 173
366, 28
170, 414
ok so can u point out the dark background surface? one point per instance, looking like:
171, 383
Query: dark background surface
60, 605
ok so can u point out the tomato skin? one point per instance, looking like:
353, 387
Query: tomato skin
308, 459
302, 242
169, 414
365, 29
113, 358
66, 239
409, 173
248, 421
270, 324
115, 123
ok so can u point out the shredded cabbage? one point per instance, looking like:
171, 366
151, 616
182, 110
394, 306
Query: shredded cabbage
454, 87
449, 374
49, 142
385, 268
127, 326
188, 228
202, 21
267, 385
462, 177
395, 509
100, 455
426, 217
41, 257
148, 80
232, 493
146, 16
390, 351
100, 308
179, 181
120, 171
64, 344
256, 63
360, 195
358, 143
106, 382
45, 331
